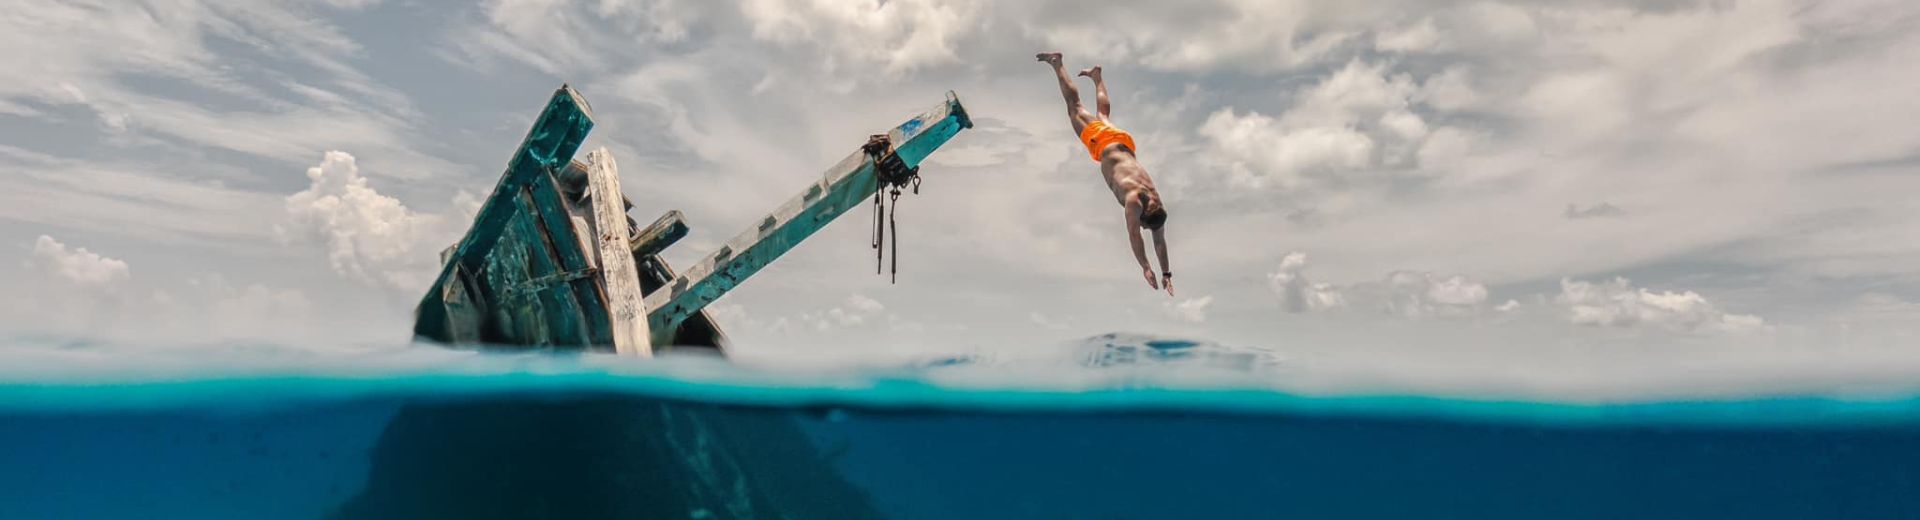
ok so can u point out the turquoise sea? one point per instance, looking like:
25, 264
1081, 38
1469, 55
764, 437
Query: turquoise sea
1125, 428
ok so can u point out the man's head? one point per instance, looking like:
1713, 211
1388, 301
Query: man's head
1152, 214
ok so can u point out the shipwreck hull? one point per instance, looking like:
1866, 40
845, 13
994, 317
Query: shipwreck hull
552, 261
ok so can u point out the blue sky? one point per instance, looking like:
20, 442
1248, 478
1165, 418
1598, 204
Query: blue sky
1568, 178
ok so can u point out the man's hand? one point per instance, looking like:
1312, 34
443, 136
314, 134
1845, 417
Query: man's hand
1168, 281
1152, 281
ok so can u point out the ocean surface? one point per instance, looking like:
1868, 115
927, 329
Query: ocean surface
1111, 427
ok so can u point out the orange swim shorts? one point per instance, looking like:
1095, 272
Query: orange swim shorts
1098, 135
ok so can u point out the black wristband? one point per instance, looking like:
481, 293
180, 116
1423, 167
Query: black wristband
1168, 274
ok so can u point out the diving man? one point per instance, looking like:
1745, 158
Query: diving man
1113, 148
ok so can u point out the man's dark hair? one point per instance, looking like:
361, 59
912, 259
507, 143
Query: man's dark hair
1153, 215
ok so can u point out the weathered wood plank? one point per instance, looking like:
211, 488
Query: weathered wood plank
842, 187
564, 242
669, 228
464, 315
622, 281
699, 329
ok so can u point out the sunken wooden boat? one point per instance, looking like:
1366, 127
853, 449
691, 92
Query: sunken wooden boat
552, 260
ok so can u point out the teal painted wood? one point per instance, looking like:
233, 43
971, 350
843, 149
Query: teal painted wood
521, 277
548, 146
565, 245
669, 228
845, 185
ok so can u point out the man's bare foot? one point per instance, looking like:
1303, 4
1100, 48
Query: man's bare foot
1050, 58
1092, 73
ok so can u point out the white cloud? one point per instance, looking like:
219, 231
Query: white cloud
896, 37
1408, 294
78, 265
86, 295
1418, 294
1421, 294
1261, 150
1450, 90
1421, 36
466, 205
1202, 35
1190, 310
572, 38
254, 310
1618, 304
728, 315
1297, 294
106, 57
853, 312
861, 303
370, 237
1358, 118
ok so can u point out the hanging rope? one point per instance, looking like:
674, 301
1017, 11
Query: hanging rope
891, 174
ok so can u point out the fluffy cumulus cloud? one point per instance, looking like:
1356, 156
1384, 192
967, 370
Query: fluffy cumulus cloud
1410, 294
1617, 303
1360, 117
1296, 292
370, 237
1261, 150
1422, 294
78, 265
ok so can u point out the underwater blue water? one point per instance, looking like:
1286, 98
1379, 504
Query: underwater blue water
467, 436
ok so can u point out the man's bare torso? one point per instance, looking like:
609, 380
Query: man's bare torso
1123, 173
1126, 178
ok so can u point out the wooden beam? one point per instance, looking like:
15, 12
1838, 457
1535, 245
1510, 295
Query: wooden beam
842, 187
669, 228
622, 281
699, 330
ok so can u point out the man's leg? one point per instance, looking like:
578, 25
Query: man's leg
1099, 93
1075, 111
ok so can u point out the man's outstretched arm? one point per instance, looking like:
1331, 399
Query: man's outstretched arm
1160, 249
1139, 246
